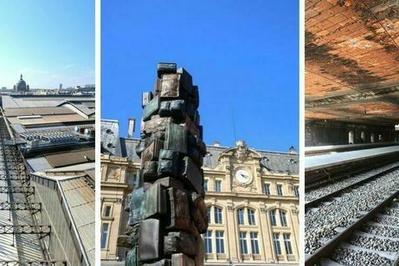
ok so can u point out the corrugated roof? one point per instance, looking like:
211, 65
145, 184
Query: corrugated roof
85, 109
38, 164
79, 197
66, 158
10, 112
47, 119
9, 101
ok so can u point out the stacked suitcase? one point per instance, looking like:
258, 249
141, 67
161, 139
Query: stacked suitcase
167, 212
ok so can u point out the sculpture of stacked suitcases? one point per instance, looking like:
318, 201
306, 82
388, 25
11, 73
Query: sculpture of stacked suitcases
167, 212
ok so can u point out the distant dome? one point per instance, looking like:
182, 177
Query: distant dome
21, 85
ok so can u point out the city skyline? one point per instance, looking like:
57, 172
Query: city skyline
64, 52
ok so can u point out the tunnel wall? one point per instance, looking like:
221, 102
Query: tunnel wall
325, 132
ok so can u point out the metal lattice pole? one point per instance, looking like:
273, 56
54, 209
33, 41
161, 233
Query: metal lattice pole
167, 212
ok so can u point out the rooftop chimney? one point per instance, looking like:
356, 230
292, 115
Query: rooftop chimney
131, 126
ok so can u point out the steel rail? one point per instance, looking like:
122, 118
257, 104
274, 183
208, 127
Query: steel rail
315, 202
332, 244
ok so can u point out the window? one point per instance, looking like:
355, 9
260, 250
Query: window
296, 191
276, 243
219, 242
272, 215
206, 185
251, 217
266, 188
287, 243
218, 215
104, 235
208, 241
240, 216
243, 243
254, 242
283, 218
218, 185
107, 211
209, 214
280, 190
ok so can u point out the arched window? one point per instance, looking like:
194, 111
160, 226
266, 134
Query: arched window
218, 215
251, 217
240, 216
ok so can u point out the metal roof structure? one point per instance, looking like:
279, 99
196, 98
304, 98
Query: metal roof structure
86, 109
27, 111
79, 197
38, 101
21, 236
71, 157
56, 140
76, 189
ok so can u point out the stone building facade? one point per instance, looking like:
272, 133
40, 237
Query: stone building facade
252, 198
117, 177
253, 210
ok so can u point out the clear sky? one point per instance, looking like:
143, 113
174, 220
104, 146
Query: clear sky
48, 41
242, 54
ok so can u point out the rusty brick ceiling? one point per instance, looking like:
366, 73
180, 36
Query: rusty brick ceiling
352, 60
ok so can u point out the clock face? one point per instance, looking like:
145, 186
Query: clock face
243, 176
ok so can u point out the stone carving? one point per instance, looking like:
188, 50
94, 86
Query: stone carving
241, 152
167, 212
113, 173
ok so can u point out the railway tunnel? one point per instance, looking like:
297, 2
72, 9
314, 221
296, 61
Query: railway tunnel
351, 132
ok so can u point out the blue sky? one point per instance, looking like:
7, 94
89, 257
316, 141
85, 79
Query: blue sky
242, 54
49, 42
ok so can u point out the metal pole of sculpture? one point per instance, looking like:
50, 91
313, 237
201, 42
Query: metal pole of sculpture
167, 212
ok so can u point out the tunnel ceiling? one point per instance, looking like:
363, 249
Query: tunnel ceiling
352, 60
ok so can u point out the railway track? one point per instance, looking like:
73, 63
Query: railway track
328, 190
335, 213
373, 239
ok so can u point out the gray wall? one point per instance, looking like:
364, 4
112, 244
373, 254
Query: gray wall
62, 245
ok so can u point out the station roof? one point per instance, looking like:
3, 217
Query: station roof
79, 197
15, 101
27, 111
46, 120
62, 159
77, 191
352, 60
